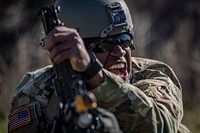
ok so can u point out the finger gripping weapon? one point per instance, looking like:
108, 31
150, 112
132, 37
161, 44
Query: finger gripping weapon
78, 112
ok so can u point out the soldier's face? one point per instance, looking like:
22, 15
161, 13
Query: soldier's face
117, 61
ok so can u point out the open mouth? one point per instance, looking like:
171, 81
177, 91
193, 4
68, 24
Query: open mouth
119, 69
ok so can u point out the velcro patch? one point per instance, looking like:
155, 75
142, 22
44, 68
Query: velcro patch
19, 119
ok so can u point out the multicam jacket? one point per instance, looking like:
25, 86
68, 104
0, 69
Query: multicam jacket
150, 103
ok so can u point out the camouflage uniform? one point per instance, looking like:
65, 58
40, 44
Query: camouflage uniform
151, 102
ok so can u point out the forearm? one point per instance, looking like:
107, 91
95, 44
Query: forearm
138, 110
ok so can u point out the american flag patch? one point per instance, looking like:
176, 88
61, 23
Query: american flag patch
19, 119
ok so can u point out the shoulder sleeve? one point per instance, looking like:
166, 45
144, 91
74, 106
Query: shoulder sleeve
152, 104
29, 103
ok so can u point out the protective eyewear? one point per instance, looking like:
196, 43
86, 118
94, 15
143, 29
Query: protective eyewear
107, 44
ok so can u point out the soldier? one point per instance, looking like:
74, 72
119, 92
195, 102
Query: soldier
145, 95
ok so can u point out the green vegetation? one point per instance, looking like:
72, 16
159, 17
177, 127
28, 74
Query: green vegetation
3, 126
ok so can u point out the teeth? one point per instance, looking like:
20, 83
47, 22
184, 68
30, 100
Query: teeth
117, 66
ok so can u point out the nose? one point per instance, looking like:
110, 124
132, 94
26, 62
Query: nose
118, 51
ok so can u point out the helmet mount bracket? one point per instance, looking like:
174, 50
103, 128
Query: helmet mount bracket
117, 17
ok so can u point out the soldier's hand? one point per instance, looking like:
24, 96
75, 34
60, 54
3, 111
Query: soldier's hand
66, 43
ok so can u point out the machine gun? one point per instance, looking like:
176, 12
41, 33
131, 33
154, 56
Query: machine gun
78, 112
